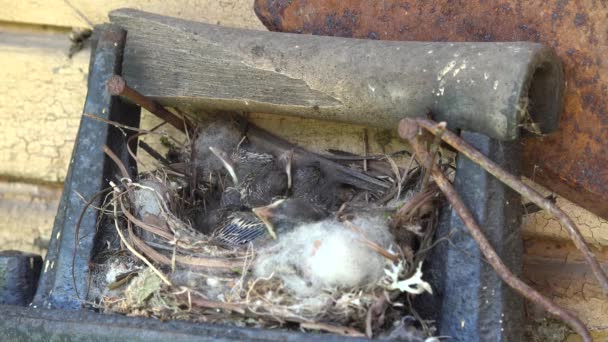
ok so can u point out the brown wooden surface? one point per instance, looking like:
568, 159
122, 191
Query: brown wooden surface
574, 160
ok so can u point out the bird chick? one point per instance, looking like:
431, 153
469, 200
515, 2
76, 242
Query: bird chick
260, 225
236, 228
225, 134
312, 183
259, 177
284, 214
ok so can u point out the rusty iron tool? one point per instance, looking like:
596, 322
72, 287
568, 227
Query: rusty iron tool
574, 160
491, 88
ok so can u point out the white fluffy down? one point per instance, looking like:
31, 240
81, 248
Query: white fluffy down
328, 254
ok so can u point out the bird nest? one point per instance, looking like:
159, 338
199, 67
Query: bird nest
175, 248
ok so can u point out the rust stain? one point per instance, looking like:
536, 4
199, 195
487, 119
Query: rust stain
574, 160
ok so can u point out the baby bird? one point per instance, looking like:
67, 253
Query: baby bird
285, 214
237, 228
225, 133
312, 183
259, 177
262, 224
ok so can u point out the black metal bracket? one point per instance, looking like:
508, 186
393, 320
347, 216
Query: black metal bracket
65, 275
475, 304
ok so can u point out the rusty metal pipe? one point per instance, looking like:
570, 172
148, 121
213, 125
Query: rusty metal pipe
483, 87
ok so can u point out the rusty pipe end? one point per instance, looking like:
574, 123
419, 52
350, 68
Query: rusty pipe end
116, 85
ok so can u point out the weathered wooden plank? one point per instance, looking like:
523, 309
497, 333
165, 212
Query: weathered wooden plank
349, 80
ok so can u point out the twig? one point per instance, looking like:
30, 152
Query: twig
144, 248
411, 206
433, 152
371, 244
195, 262
377, 309
398, 175
134, 251
408, 129
117, 161
77, 233
381, 251
531, 208
204, 263
117, 86
335, 329
524, 190
346, 156
210, 304
153, 153
148, 227
123, 126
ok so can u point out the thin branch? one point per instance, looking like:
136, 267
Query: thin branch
371, 244
123, 126
77, 233
365, 148
408, 129
135, 252
153, 153
398, 176
148, 227
433, 151
526, 191
210, 304
412, 204
335, 329
117, 161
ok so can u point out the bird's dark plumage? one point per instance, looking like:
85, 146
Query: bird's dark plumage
312, 183
225, 134
238, 228
262, 223
231, 199
285, 214
259, 177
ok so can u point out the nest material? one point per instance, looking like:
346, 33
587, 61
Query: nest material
178, 272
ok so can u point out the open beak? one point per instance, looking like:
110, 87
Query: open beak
264, 214
227, 164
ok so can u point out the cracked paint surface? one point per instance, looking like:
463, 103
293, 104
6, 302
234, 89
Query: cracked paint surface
40, 106
540, 224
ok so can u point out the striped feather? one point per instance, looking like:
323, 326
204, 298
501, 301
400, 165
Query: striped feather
240, 228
